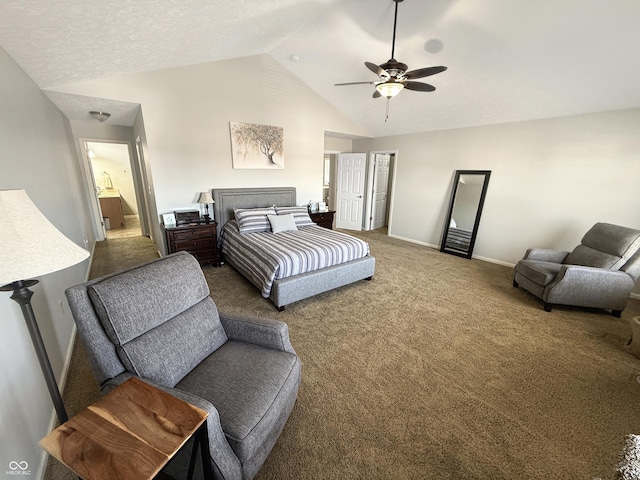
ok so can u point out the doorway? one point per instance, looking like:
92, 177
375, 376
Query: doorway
116, 202
380, 176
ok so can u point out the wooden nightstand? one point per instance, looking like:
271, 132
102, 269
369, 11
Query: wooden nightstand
324, 219
130, 433
199, 240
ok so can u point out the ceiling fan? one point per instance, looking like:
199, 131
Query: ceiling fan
394, 75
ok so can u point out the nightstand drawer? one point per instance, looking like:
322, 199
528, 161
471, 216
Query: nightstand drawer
192, 233
193, 243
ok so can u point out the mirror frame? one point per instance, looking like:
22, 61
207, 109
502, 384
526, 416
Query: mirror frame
483, 194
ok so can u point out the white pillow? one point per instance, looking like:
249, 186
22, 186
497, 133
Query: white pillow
282, 223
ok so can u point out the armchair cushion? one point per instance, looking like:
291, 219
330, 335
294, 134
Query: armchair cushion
590, 257
170, 351
260, 376
133, 303
613, 239
161, 329
605, 246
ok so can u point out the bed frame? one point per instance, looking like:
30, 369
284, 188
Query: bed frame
298, 287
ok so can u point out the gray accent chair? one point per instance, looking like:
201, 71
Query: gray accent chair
598, 273
158, 322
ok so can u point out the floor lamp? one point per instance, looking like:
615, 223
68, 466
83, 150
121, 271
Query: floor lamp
30, 246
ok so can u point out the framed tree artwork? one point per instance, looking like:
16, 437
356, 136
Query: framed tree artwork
257, 146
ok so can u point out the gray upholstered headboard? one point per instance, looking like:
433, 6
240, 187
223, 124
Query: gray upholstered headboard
226, 199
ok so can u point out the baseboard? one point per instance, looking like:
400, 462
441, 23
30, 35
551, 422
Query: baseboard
493, 260
437, 247
411, 240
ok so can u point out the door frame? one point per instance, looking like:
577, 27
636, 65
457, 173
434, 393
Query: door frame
332, 177
390, 189
89, 177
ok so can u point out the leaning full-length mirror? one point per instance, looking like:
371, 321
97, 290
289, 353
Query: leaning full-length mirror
465, 208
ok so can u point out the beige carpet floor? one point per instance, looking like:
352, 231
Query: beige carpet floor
436, 369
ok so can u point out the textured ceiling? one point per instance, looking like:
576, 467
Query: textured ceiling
508, 60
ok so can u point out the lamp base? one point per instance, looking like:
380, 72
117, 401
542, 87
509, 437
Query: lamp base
22, 296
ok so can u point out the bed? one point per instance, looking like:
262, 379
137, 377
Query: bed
289, 289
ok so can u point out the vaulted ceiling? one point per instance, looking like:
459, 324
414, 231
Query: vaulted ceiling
508, 60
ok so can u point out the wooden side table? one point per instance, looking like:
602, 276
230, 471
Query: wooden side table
199, 240
131, 433
323, 219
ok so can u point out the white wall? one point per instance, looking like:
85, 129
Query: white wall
186, 120
336, 144
37, 155
551, 180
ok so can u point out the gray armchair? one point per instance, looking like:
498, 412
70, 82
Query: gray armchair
158, 322
598, 273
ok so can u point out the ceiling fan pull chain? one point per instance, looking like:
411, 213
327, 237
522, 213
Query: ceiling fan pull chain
386, 117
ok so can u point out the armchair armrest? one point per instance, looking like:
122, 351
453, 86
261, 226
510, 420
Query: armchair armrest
590, 287
223, 459
265, 332
545, 255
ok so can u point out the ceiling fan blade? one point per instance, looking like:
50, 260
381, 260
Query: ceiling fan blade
424, 72
353, 83
376, 94
419, 86
374, 68
377, 70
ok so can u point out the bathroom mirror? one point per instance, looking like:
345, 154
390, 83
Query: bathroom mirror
461, 225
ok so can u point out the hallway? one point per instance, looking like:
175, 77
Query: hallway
131, 228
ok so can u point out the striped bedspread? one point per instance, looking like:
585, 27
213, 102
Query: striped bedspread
458, 238
265, 256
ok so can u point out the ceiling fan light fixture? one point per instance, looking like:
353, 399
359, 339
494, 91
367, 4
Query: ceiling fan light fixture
389, 89
100, 116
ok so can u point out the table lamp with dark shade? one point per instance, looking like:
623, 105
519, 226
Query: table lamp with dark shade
30, 246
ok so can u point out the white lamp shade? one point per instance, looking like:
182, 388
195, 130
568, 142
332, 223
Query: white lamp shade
30, 246
205, 197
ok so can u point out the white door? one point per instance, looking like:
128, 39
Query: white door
380, 188
350, 190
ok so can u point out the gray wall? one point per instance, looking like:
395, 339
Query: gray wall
37, 155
